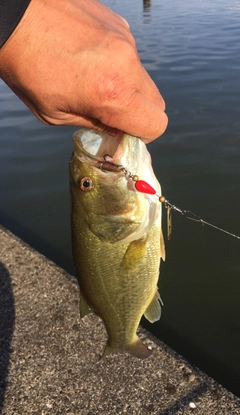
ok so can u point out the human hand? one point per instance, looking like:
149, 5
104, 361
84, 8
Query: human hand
74, 62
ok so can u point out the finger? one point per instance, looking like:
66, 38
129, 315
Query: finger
80, 121
141, 118
149, 88
137, 115
147, 127
110, 19
125, 22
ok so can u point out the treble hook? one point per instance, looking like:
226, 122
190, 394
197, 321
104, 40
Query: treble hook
107, 162
118, 166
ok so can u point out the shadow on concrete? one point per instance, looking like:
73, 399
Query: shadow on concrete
37, 242
185, 400
7, 318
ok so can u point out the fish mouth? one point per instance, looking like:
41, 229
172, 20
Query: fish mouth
122, 153
92, 146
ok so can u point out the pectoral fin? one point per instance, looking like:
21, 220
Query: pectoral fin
134, 254
153, 312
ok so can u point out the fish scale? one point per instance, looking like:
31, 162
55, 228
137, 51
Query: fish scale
116, 238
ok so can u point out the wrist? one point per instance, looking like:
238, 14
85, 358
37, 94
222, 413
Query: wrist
14, 38
11, 12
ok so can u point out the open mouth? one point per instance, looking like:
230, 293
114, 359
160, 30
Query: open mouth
96, 145
100, 150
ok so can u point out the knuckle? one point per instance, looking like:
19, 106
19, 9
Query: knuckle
110, 88
117, 80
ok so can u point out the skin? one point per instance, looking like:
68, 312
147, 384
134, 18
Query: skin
75, 62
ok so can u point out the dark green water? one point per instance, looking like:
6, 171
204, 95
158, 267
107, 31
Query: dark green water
191, 49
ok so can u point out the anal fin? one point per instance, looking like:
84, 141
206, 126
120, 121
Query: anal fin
153, 312
162, 247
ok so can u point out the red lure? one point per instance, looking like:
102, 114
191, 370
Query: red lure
144, 187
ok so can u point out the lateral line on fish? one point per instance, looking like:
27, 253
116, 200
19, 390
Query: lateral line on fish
145, 187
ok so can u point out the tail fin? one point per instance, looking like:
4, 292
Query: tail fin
136, 348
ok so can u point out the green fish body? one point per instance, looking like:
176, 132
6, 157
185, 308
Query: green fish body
116, 236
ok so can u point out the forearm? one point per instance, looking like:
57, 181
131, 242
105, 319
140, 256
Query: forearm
11, 12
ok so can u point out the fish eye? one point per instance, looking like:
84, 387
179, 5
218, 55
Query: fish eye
85, 184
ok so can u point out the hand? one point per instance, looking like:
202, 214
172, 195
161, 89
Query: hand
75, 62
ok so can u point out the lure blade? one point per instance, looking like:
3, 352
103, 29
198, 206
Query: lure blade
169, 222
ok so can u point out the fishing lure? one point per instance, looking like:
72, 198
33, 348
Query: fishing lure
144, 187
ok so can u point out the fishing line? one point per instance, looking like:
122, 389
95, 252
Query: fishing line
189, 215
145, 187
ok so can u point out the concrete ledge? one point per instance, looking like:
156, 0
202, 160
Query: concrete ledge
49, 359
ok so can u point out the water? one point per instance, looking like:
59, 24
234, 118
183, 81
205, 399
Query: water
191, 49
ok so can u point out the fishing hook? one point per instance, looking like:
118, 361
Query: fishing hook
107, 162
118, 166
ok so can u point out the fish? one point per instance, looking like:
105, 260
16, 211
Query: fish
117, 241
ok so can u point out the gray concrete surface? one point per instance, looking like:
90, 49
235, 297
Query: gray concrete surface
49, 359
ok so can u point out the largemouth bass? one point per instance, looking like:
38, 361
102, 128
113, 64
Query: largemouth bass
116, 235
